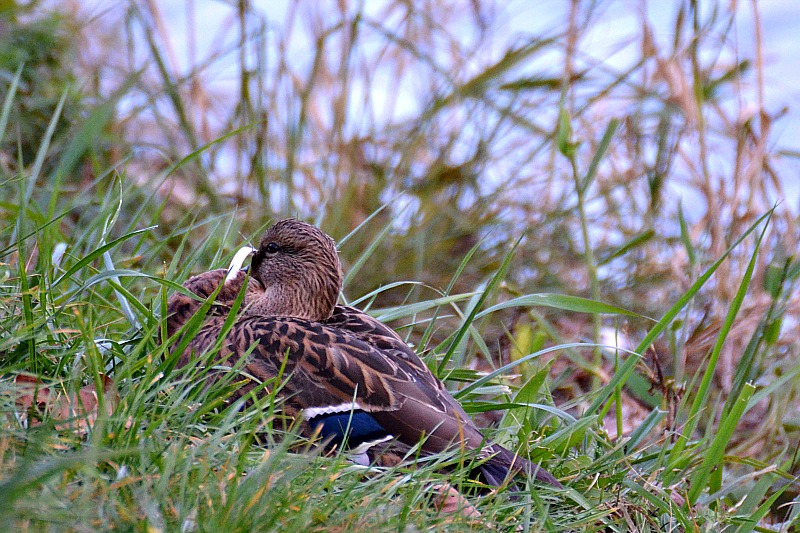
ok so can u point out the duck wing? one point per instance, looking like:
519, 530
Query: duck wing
363, 327
330, 366
365, 386
374, 332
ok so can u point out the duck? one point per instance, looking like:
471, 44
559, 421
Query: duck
350, 378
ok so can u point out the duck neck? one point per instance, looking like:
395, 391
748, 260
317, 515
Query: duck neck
282, 300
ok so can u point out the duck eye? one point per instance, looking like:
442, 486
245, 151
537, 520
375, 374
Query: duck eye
273, 248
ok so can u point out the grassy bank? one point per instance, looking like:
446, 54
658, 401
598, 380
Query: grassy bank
526, 229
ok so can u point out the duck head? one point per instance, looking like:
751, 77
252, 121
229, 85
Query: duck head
299, 269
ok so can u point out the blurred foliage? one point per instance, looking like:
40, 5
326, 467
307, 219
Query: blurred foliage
44, 45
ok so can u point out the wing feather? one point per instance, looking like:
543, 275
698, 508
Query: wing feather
329, 366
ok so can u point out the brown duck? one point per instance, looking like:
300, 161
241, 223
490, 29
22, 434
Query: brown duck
353, 379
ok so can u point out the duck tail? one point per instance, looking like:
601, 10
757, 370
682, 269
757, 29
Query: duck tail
502, 462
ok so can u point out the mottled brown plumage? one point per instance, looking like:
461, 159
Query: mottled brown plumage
339, 359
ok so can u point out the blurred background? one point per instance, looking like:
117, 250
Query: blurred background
624, 145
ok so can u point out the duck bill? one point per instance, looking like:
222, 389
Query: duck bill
238, 259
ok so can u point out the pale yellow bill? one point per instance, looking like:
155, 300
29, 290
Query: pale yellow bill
238, 260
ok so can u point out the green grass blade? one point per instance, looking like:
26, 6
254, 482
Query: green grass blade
602, 148
9, 99
464, 329
626, 369
43, 149
564, 302
713, 457
96, 254
393, 313
701, 397
365, 255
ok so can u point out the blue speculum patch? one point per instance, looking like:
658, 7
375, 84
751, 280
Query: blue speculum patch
356, 427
